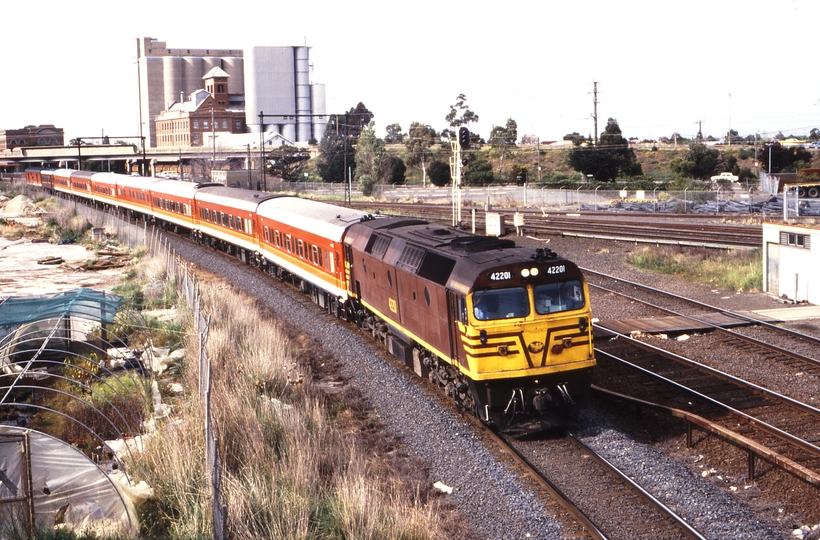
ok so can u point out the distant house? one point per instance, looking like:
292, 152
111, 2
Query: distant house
207, 111
43, 135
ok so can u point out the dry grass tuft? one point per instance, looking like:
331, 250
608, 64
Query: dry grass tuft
289, 470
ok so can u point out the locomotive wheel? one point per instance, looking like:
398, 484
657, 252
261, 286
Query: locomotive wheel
801, 192
814, 192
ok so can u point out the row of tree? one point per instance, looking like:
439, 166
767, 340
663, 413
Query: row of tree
351, 149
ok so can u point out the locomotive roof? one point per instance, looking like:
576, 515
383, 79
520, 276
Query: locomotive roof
468, 255
326, 220
243, 199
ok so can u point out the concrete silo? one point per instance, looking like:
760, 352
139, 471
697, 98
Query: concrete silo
318, 106
173, 79
234, 67
270, 86
193, 74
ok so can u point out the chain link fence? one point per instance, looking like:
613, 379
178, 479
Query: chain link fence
179, 275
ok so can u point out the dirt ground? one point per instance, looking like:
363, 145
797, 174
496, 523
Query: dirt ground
22, 275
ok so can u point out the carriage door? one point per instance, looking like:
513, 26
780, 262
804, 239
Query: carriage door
457, 319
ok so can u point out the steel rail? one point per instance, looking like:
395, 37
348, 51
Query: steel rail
772, 430
758, 342
654, 501
544, 482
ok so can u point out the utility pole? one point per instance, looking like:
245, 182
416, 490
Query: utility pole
595, 110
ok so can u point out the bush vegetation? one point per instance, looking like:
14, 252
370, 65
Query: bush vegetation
730, 271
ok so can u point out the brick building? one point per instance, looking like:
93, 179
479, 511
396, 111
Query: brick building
208, 110
44, 135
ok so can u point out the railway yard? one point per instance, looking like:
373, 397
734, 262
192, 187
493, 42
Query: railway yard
694, 431
699, 480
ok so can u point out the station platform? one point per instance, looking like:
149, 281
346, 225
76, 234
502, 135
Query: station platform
679, 324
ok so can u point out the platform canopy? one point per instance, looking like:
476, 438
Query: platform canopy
81, 303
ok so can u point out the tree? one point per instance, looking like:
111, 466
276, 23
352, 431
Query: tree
576, 138
699, 162
392, 170
479, 172
609, 159
783, 158
502, 140
420, 139
459, 115
369, 151
287, 162
357, 119
337, 147
814, 134
394, 134
331, 162
439, 173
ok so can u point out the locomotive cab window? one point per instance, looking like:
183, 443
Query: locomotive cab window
509, 303
555, 297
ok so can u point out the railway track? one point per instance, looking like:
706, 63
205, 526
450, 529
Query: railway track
804, 350
769, 425
676, 230
602, 501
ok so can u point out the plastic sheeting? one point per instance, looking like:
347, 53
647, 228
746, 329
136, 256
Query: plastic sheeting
82, 303
66, 486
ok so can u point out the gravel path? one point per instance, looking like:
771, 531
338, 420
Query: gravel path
488, 495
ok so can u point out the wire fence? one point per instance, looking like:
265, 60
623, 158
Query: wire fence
178, 274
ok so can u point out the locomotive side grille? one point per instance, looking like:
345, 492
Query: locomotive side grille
377, 245
411, 257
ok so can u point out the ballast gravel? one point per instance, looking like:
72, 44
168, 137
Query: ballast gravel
493, 500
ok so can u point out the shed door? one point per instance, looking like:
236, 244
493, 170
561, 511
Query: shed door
773, 266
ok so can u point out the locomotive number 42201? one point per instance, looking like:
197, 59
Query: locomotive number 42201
560, 269
500, 276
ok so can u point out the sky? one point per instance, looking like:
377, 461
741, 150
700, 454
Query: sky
661, 67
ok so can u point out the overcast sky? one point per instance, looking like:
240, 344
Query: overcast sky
660, 66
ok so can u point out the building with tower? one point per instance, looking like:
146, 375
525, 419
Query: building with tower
273, 80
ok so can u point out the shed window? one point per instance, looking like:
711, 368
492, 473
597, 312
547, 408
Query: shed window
802, 241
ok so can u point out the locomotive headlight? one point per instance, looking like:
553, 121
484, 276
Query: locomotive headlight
525, 272
534, 272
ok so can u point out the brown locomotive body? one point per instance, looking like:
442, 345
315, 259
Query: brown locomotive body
523, 364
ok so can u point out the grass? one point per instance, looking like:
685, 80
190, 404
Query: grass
727, 270
292, 466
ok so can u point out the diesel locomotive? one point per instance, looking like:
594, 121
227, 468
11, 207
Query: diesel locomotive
505, 330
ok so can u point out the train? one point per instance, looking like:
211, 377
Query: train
505, 330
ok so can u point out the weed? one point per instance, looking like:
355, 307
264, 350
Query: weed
732, 271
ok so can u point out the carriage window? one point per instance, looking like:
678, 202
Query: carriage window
277, 238
288, 243
490, 304
301, 246
267, 235
563, 296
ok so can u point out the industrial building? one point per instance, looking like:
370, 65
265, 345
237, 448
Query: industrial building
273, 80
43, 135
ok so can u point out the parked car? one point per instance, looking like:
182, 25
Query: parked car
815, 144
725, 177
